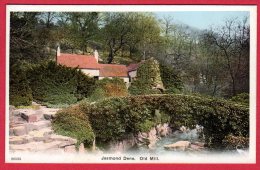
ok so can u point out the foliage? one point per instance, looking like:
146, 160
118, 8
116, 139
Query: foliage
74, 123
145, 126
242, 98
131, 33
109, 88
233, 142
148, 79
213, 61
113, 118
55, 84
171, 80
20, 91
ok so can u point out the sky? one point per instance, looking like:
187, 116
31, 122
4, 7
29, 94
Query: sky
203, 19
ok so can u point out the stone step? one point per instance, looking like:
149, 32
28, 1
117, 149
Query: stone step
38, 125
35, 146
41, 135
49, 113
18, 140
23, 129
31, 115
18, 130
65, 141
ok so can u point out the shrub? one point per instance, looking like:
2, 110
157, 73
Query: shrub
56, 84
74, 123
145, 126
232, 142
114, 118
171, 80
242, 98
109, 88
148, 79
20, 91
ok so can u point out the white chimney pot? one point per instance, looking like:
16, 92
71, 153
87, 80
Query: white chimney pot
96, 55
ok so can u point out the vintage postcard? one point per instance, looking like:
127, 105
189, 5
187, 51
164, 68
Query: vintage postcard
138, 84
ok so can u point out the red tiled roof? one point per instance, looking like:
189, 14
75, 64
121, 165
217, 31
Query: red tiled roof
133, 66
89, 62
113, 70
80, 61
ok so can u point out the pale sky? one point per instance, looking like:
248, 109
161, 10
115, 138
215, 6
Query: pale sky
203, 19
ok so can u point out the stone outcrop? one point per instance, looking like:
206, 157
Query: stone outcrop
30, 130
182, 145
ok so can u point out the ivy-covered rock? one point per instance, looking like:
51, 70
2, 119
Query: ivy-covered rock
148, 79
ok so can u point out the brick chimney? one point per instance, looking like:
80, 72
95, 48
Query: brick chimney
96, 54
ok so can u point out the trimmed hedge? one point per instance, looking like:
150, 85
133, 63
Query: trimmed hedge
114, 118
56, 84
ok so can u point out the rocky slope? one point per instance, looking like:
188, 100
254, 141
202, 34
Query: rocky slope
30, 130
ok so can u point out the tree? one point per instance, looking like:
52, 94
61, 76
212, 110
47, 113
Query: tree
83, 27
232, 41
134, 32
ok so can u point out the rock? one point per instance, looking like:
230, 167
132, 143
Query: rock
16, 140
152, 132
62, 138
49, 113
196, 147
11, 132
70, 149
178, 145
200, 144
30, 115
145, 135
40, 135
38, 125
16, 113
35, 146
82, 148
163, 130
183, 129
121, 146
152, 138
19, 130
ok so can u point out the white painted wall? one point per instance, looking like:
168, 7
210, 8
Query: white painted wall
126, 79
90, 72
132, 74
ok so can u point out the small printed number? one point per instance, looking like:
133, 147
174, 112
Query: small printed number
16, 158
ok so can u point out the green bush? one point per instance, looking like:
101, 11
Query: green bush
114, 118
109, 88
148, 79
146, 126
74, 123
242, 98
20, 91
56, 84
171, 80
